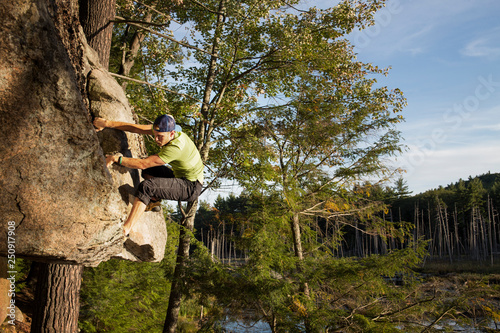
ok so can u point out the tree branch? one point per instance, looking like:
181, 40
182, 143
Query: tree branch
123, 20
155, 86
219, 174
183, 213
206, 8
353, 312
386, 314
158, 12
299, 10
437, 319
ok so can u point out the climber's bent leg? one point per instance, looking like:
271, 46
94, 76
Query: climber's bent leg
161, 188
137, 209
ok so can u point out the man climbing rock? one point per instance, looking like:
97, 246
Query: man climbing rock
183, 181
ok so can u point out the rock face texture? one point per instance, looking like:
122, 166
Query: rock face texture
66, 205
107, 100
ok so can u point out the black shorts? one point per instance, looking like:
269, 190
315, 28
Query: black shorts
164, 185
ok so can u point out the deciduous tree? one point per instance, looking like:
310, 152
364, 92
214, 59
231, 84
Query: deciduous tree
255, 60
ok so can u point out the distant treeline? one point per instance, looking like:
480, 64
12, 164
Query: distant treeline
459, 221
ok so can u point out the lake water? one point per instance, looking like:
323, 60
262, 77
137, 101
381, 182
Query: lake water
239, 327
263, 327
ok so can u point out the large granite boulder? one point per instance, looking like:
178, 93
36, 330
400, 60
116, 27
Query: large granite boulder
65, 204
107, 100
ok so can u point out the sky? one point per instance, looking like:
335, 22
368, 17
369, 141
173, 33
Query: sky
445, 57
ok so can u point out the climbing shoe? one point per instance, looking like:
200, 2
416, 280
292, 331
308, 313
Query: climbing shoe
153, 206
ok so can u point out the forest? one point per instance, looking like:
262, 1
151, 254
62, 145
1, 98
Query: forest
273, 96
458, 222
410, 275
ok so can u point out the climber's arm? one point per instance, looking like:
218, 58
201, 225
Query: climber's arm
135, 163
101, 123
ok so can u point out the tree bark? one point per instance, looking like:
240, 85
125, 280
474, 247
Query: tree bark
57, 298
178, 281
297, 244
96, 18
299, 253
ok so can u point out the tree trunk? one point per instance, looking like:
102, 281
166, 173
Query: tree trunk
130, 52
448, 235
455, 224
490, 229
203, 136
299, 253
96, 18
178, 281
202, 140
431, 244
57, 298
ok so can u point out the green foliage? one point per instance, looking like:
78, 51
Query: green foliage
280, 104
468, 194
401, 188
122, 296
352, 294
261, 50
463, 194
21, 269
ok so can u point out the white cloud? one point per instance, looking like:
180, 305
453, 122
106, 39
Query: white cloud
414, 43
390, 36
486, 46
429, 169
491, 127
415, 27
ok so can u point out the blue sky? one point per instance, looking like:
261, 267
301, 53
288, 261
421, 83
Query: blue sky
445, 57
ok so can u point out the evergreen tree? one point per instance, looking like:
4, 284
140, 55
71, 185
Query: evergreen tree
269, 284
268, 49
401, 188
476, 193
122, 296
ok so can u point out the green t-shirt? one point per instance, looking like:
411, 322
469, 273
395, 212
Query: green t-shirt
183, 157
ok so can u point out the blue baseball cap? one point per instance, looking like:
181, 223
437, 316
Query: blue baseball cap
164, 123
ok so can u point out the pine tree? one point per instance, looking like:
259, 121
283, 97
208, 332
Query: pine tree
256, 48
